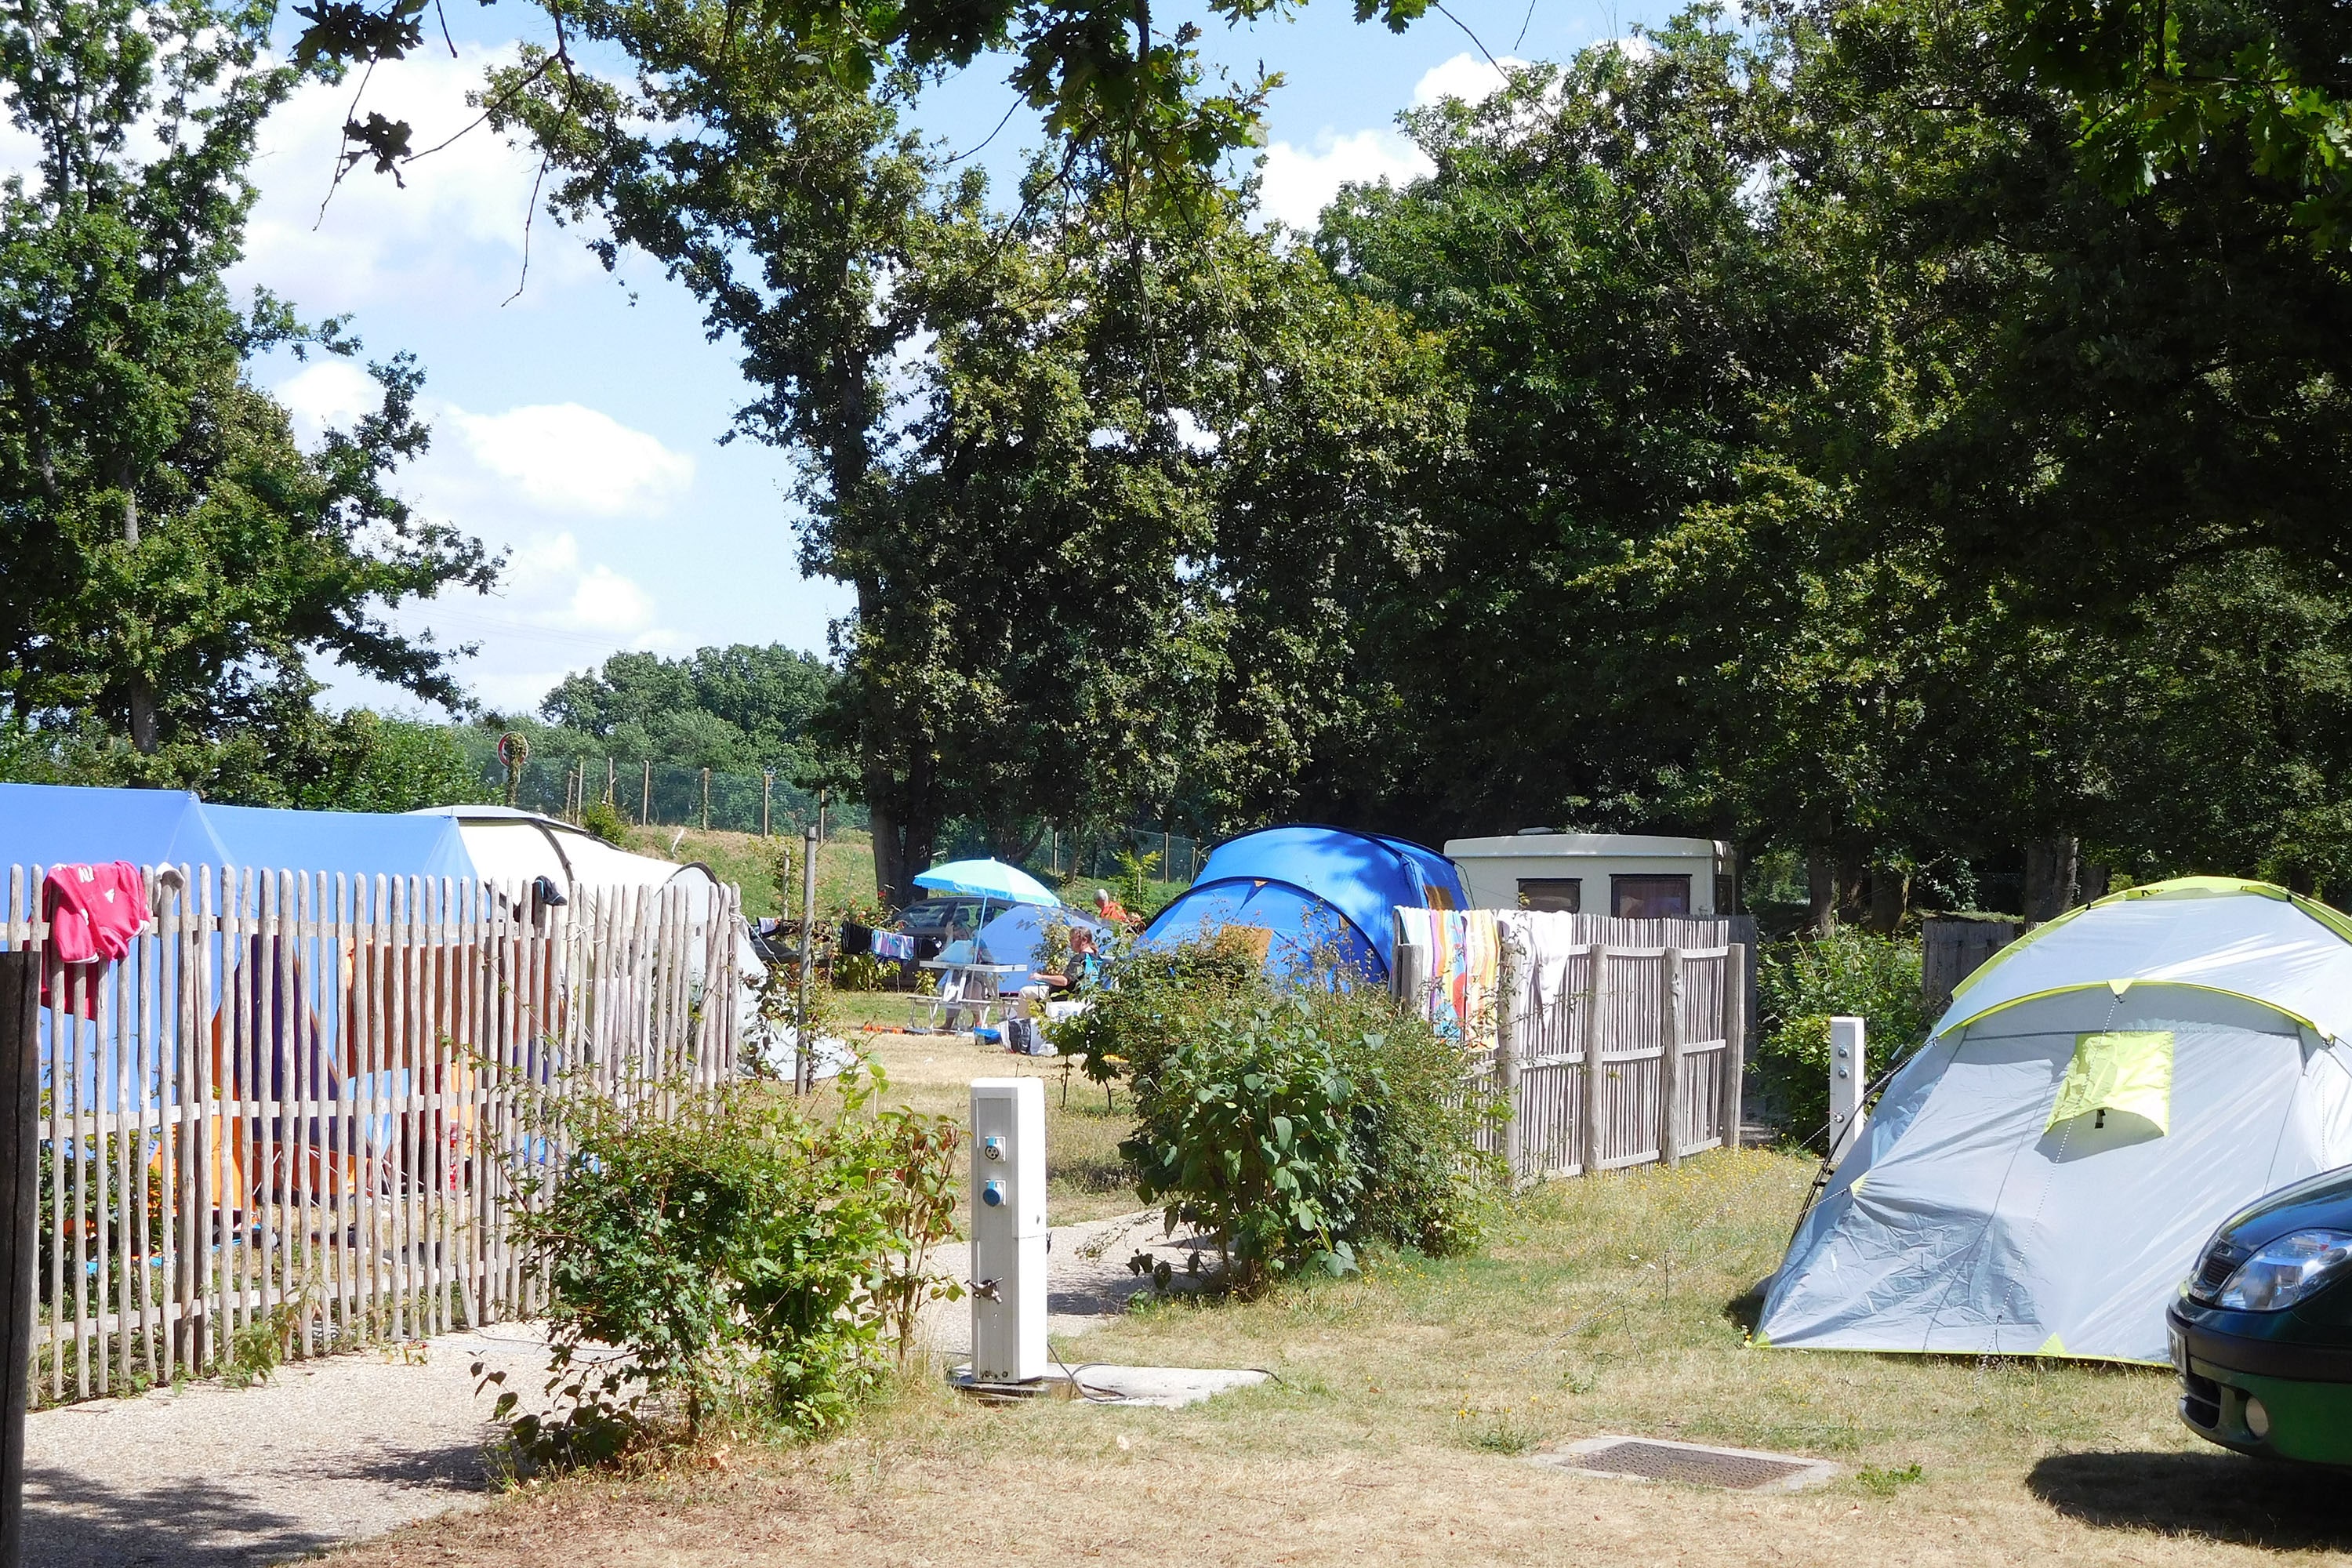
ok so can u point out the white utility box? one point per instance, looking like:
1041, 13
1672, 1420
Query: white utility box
1008, 1229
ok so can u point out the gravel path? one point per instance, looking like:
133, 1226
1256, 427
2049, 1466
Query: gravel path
1088, 1276
325, 1452
338, 1449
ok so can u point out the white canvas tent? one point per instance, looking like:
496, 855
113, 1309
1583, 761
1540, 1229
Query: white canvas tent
2039, 1179
509, 848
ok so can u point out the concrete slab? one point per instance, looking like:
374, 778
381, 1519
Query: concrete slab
1159, 1387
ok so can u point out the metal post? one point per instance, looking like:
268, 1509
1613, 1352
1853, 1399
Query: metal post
610, 779
645, 796
767, 797
1847, 1076
20, 1180
820, 817
706, 800
803, 1062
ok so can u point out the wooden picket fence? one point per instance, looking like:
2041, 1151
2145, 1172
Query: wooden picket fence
1637, 1057
303, 1113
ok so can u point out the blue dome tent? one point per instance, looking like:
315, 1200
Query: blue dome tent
1312, 887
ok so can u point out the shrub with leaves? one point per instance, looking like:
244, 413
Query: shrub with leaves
747, 1257
1296, 1123
1802, 985
1149, 999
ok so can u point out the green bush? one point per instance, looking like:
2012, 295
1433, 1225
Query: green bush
752, 1256
1296, 1125
1804, 982
604, 819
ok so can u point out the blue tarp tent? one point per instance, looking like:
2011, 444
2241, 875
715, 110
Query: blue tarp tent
49, 825
1310, 888
365, 843
55, 824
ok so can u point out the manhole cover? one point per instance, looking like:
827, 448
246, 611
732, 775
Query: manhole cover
1657, 1459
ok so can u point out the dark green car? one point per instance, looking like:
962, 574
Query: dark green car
2262, 1332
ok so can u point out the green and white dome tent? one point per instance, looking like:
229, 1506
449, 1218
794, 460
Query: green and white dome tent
2099, 1097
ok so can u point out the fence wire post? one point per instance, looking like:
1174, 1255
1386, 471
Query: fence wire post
804, 1061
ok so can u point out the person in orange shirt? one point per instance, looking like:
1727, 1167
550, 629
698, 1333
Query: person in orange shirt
1112, 911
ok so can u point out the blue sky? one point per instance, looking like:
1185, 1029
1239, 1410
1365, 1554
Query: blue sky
576, 425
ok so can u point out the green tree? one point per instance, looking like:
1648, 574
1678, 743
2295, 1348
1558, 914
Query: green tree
732, 709
173, 557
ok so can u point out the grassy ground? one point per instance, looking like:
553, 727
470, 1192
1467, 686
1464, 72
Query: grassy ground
844, 867
1409, 1403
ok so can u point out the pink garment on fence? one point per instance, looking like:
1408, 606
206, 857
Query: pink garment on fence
93, 911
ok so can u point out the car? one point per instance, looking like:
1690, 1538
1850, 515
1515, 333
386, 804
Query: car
937, 917
2262, 1333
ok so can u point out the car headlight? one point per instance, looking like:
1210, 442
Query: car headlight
2286, 1271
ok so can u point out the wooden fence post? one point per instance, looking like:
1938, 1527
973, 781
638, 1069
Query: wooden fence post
803, 1049
706, 800
1670, 1062
1735, 1028
20, 1185
645, 797
767, 797
1510, 976
1596, 1046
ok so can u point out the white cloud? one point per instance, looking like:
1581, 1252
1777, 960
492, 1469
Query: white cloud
327, 393
1297, 184
1473, 79
550, 585
455, 233
563, 457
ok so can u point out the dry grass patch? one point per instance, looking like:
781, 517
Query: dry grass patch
1407, 1401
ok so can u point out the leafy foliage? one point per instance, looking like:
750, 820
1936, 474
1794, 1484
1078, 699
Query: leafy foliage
173, 557
730, 709
749, 1259
1296, 1124
1803, 983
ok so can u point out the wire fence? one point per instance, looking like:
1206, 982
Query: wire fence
665, 794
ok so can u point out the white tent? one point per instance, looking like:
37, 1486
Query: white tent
510, 847
2039, 1177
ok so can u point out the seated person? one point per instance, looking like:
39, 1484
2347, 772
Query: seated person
1078, 972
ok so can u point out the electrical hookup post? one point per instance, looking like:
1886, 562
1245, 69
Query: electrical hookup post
1008, 1233
1848, 1079
20, 1103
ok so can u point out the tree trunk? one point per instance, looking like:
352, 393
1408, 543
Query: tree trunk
2094, 882
2300, 881
1890, 898
145, 734
2050, 866
1821, 888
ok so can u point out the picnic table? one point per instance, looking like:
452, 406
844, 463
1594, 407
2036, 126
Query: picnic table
965, 986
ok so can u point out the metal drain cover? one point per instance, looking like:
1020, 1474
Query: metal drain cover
1657, 1459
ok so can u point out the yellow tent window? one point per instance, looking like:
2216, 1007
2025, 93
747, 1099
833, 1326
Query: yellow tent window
2122, 1072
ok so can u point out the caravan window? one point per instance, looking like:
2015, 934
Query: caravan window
1649, 898
1564, 894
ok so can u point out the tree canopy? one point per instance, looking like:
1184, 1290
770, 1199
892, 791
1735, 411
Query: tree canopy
170, 558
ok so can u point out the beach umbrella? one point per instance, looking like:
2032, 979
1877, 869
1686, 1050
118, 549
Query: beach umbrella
991, 880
